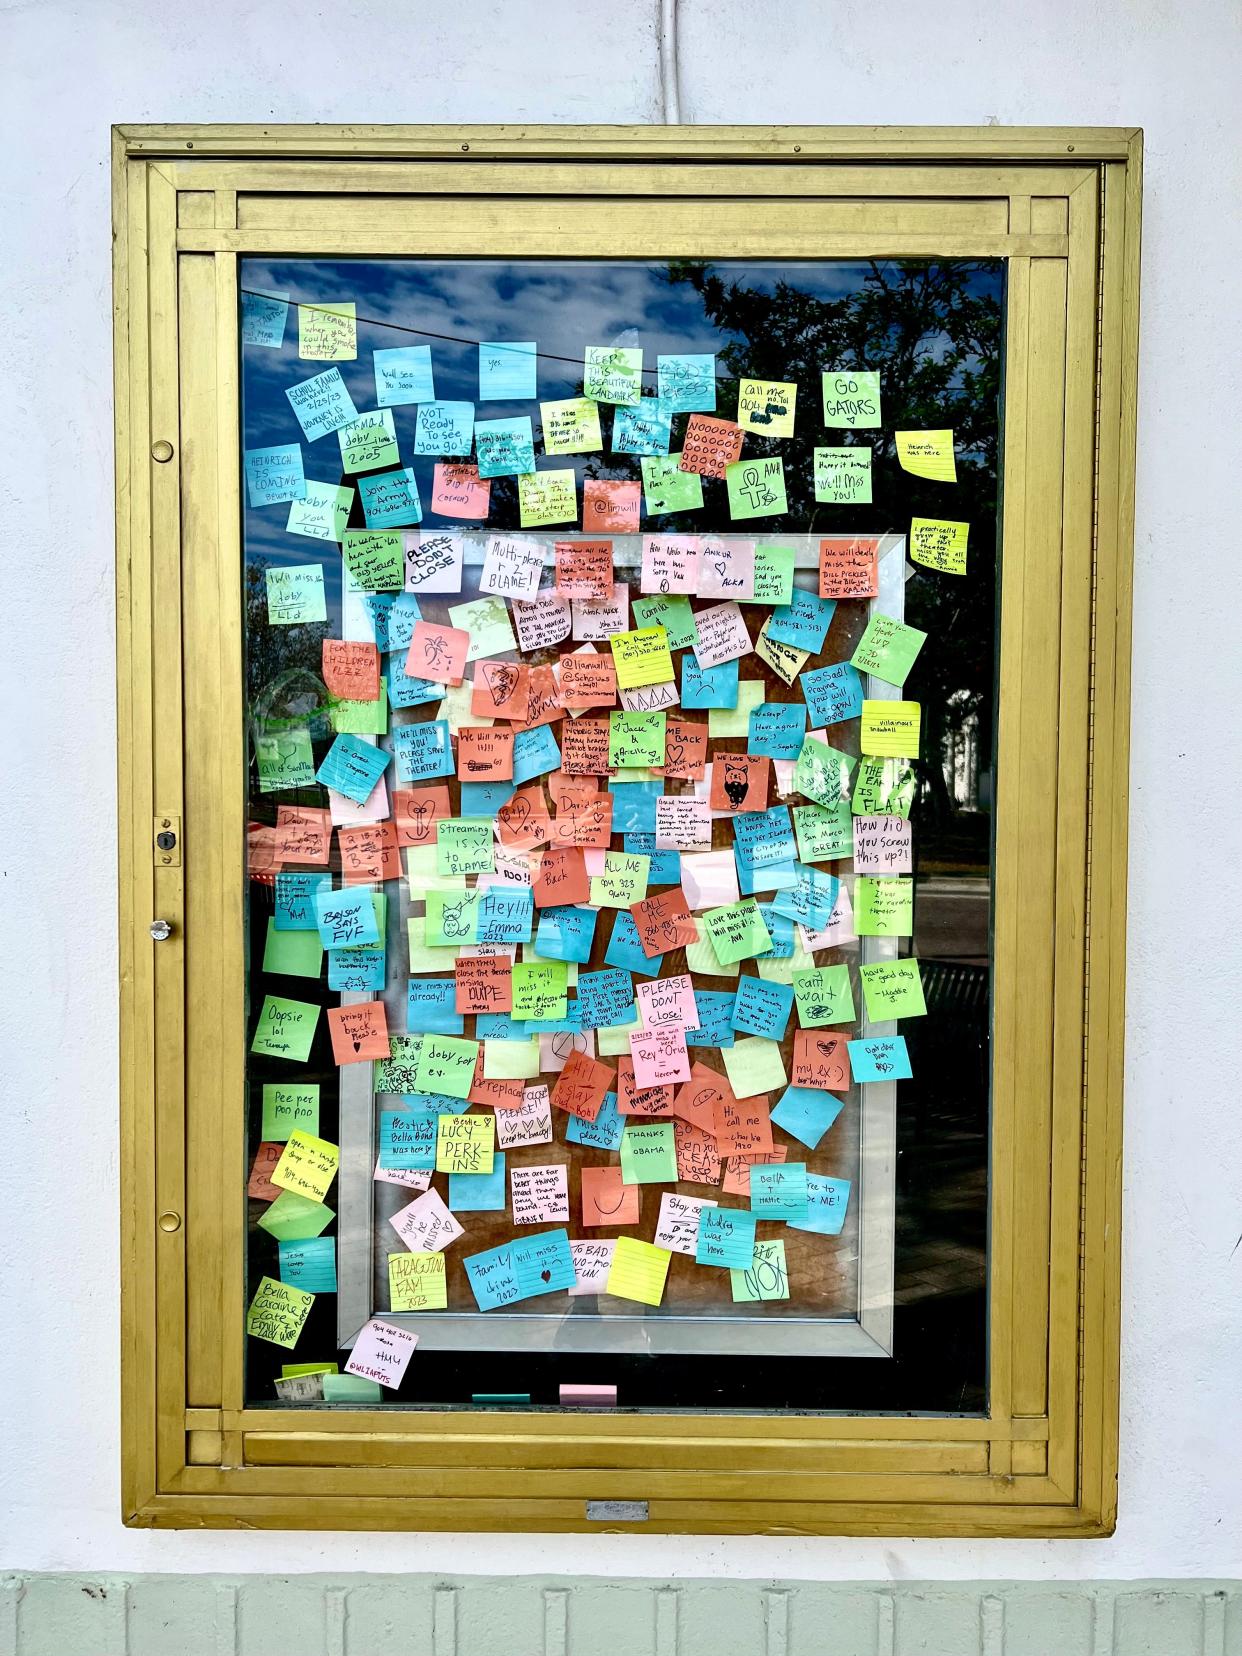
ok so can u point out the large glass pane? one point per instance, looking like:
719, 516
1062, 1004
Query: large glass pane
479, 793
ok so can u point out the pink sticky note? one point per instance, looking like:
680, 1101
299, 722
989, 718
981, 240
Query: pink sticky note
382, 1352
437, 653
347, 813
722, 635
670, 563
727, 568
413, 1178
592, 1263
426, 1225
669, 1000
709, 879
660, 1057
457, 492
882, 845
539, 1194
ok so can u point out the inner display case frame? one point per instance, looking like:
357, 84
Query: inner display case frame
1061, 208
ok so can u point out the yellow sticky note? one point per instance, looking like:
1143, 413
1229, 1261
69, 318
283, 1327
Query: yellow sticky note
927, 454
638, 1271
570, 427
548, 497
465, 1143
416, 1282
308, 1165
277, 1312
766, 407
642, 657
754, 1065
939, 543
328, 333
622, 881
785, 660
890, 729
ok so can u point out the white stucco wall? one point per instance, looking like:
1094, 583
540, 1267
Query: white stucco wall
70, 70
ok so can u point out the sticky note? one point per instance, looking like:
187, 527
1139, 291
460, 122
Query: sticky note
345, 919
369, 442
927, 454
765, 1278
520, 1270
547, 497
309, 1265
736, 931
382, 1352
754, 1065
766, 407
263, 318
648, 1153
827, 1202
834, 694
592, 1263
507, 370
292, 953
761, 1008
353, 767
888, 648
465, 1143
375, 559
756, 488
294, 1218
275, 474
444, 428
890, 729
659, 1057
539, 1194
885, 787
644, 428
639, 1271
636, 739
417, 1282
422, 751
849, 566
805, 1113
425, 1225
622, 880
328, 333
288, 1105
486, 619
447, 1065
403, 375
285, 1028
284, 759
458, 492
939, 544
642, 657
710, 445
726, 1238
359, 1033
277, 1312
721, 636
667, 487
687, 383
893, 989
504, 448
822, 772
612, 374
295, 595
824, 996
322, 404
308, 1165
777, 730
677, 1228
851, 398
843, 476
571, 426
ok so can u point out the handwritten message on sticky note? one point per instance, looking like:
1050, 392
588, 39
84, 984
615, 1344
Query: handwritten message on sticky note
382, 1352
277, 1312
939, 543
642, 657
571, 426
843, 476
756, 488
417, 1282
612, 373
888, 648
765, 1278
927, 454
891, 728
328, 333
767, 407
465, 1143
547, 497
851, 398
539, 1194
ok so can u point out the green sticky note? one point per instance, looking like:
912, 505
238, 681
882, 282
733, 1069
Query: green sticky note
375, 559
754, 1065
623, 879
888, 649
843, 476
851, 399
423, 957
735, 720
290, 1371
824, 996
294, 1218
487, 621
774, 575
666, 488
614, 1042
884, 787
883, 907
822, 772
540, 989
636, 738
648, 1153
464, 845
361, 718
766, 1278
756, 488
452, 918
571, 427
287, 1105
292, 953
277, 1312
613, 374
824, 832
737, 931
781, 968
369, 442
285, 759
446, 1065
295, 594
893, 989
398, 1073
673, 613
547, 497
701, 957
351, 1388
322, 513
286, 1028
512, 1060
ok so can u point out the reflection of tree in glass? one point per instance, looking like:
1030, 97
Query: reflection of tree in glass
284, 666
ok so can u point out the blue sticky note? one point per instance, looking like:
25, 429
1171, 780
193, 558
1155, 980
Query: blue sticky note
803, 622
754, 877
606, 998
321, 403
506, 915
390, 499
352, 767
535, 753
780, 929
642, 428
479, 1192
444, 428
634, 806
295, 900
715, 1018
880, 1058
431, 1007
507, 370
263, 317
777, 729
496, 1026
357, 971
405, 691
687, 384
401, 616
309, 1265
604, 1133
826, 1203
708, 686
403, 375
811, 898
505, 448
665, 866
762, 1008
519, 1270
422, 750
434, 1104
766, 837
832, 693
778, 1191
570, 1024
626, 951
726, 1238
407, 1139
566, 933
275, 474
484, 799
346, 919
806, 1113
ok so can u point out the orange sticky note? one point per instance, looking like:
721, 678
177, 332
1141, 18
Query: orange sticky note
523, 822
606, 1200
501, 690
697, 1098
369, 852
416, 811
739, 782
484, 753
303, 834
698, 1159
266, 1157
685, 748
611, 506
582, 1085
458, 492
351, 669
543, 699
584, 748
849, 567
743, 1126
359, 1033
664, 922
561, 878
710, 446
588, 681
484, 983
820, 1059
584, 569
585, 823
437, 653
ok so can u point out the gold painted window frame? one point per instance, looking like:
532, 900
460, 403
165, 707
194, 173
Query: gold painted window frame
1062, 207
